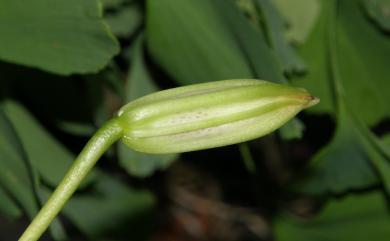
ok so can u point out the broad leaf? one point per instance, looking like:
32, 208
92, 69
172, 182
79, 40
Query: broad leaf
361, 62
379, 11
20, 175
251, 41
49, 157
342, 165
362, 53
355, 217
125, 21
354, 157
314, 52
8, 207
62, 37
190, 40
17, 175
301, 16
276, 27
113, 4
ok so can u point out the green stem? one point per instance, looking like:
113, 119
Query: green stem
88, 157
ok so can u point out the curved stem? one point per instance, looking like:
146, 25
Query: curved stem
94, 149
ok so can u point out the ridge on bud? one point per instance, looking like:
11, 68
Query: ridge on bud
209, 115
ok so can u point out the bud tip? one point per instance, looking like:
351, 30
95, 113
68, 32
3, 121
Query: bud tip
312, 100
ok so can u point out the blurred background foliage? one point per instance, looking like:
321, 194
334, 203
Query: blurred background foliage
67, 66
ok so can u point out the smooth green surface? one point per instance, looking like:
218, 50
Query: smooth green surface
17, 176
314, 52
362, 57
251, 41
363, 54
62, 37
300, 15
140, 83
20, 176
125, 20
114, 4
287, 55
342, 165
192, 43
50, 157
355, 217
353, 157
8, 208
379, 11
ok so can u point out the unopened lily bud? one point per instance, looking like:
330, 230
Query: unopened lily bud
209, 115
178, 120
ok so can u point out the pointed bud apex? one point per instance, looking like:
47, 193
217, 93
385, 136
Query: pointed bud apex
209, 115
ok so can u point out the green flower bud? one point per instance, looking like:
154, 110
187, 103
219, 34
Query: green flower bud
209, 115
178, 120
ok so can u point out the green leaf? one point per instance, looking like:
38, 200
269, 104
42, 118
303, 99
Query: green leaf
275, 29
355, 217
125, 21
18, 168
140, 83
315, 54
363, 64
49, 157
342, 165
19, 181
17, 175
62, 37
363, 94
113, 4
379, 11
112, 209
378, 154
190, 40
250, 39
346, 163
8, 207
301, 16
